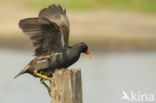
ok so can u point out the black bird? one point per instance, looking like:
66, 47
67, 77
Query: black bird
49, 33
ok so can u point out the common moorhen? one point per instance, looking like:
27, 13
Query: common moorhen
49, 33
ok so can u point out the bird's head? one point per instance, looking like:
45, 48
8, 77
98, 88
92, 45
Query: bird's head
84, 49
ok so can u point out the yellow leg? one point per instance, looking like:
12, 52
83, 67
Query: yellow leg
48, 88
41, 75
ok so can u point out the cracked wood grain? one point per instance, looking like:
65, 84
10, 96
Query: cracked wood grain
67, 86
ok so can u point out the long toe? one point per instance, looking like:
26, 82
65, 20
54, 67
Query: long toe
52, 81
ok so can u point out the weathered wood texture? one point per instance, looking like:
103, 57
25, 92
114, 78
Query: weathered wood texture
67, 87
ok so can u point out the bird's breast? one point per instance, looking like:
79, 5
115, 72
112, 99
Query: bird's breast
68, 58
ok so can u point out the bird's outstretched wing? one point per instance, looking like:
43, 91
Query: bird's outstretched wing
49, 32
45, 35
56, 14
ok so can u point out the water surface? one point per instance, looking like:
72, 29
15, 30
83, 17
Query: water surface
104, 77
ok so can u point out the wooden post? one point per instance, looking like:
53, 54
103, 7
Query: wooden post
67, 87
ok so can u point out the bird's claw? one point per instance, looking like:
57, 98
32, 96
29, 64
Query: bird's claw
48, 88
43, 78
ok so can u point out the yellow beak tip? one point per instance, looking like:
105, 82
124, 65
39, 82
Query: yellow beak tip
89, 56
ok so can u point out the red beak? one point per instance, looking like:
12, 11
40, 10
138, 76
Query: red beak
88, 54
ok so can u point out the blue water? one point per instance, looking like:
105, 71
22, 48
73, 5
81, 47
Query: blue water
104, 77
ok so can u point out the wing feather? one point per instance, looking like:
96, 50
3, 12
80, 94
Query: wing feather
49, 32
56, 14
45, 35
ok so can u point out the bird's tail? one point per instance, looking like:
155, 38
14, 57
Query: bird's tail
23, 71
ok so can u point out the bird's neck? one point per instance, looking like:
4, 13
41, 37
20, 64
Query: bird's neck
72, 53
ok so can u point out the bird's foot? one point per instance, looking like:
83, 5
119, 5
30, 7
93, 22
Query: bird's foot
41, 75
43, 78
48, 88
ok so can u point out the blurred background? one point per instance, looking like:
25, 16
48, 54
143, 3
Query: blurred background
121, 35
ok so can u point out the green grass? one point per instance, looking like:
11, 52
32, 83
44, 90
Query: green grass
133, 5
136, 5
72, 4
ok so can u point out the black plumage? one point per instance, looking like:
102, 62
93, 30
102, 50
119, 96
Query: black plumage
49, 33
